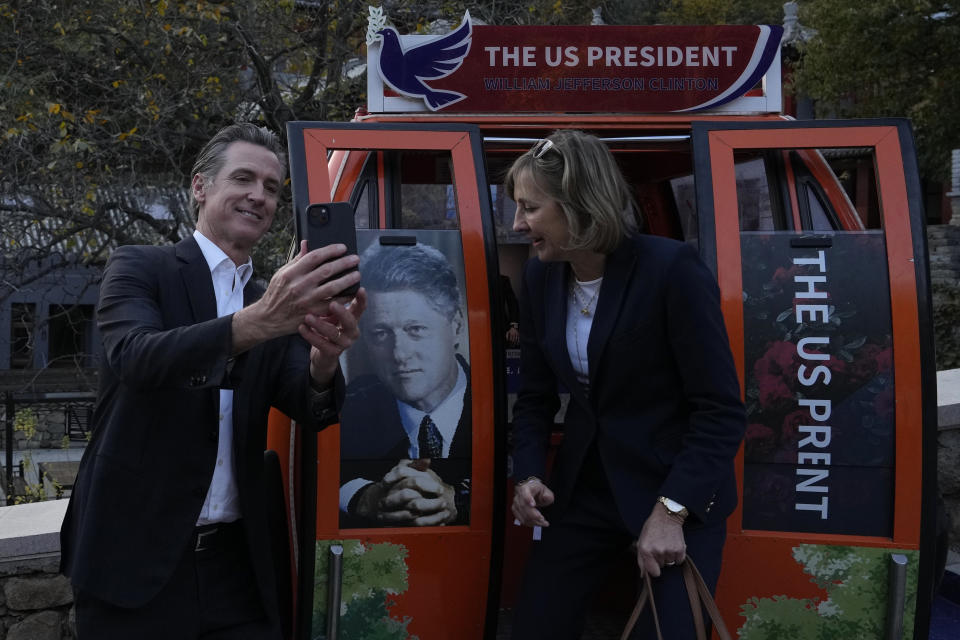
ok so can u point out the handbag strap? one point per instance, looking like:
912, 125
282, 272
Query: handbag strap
646, 593
697, 590
694, 596
699, 596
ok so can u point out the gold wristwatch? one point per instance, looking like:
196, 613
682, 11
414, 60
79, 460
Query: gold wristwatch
674, 508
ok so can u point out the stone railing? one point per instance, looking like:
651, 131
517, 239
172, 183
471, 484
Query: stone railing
948, 452
35, 600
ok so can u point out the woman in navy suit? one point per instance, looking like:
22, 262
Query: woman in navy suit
631, 326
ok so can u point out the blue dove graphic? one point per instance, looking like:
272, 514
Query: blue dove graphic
405, 70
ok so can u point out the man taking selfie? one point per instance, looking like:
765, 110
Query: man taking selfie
166, 533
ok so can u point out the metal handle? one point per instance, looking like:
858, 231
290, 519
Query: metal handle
896, 596
334, 580
811, 242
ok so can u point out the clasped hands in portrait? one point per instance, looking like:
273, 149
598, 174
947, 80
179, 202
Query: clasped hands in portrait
409, 494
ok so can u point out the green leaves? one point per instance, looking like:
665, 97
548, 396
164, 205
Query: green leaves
854, 580
370, 573
887, 58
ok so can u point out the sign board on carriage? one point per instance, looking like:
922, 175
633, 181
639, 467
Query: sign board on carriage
615, 69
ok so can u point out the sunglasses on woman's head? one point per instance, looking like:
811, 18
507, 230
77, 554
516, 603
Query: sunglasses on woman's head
542, 147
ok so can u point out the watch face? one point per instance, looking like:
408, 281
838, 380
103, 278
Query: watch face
673, 506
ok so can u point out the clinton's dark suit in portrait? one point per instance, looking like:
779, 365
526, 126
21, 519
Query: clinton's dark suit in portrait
372, 450
165, 535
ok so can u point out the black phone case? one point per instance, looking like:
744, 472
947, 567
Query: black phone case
331, 223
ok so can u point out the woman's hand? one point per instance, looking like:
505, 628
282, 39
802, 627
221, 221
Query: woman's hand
527, 497
661, 542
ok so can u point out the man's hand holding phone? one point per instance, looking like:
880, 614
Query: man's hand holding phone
324, 226
305, 286
328, 224
332, 271
316, 294
333, 329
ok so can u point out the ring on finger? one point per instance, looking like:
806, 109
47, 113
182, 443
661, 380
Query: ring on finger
339, 330
669, 564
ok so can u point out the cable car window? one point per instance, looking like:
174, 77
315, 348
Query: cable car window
365, 196
855, 171
835, 188
820, 219
756, 211
759, 206
423, 191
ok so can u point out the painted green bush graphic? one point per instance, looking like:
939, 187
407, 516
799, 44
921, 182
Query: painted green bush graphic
855, 579
370, 573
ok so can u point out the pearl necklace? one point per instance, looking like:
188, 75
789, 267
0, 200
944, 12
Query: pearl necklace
576, 339
582, 309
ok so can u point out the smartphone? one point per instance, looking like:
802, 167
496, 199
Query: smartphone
331, 223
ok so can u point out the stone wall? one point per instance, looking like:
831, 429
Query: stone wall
35, 600
948, 454
943, 243
44, 426
49, 427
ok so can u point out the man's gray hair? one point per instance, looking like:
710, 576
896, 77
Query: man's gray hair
212, 156
420, 268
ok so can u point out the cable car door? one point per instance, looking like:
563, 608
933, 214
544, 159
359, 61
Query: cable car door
405, 495
830, 327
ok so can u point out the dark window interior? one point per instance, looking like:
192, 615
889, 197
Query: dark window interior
22, 335
69, 335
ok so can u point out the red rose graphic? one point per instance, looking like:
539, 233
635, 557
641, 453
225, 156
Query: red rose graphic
884, 403
790, 429
776, 374
759, 442
864, 365
885, 360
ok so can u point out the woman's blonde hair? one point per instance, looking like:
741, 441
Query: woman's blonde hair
578, 171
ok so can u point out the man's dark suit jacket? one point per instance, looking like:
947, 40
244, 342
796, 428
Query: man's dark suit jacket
373, 440
144, 476
664, 402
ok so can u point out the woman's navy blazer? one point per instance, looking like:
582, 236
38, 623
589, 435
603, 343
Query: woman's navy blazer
664, 401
